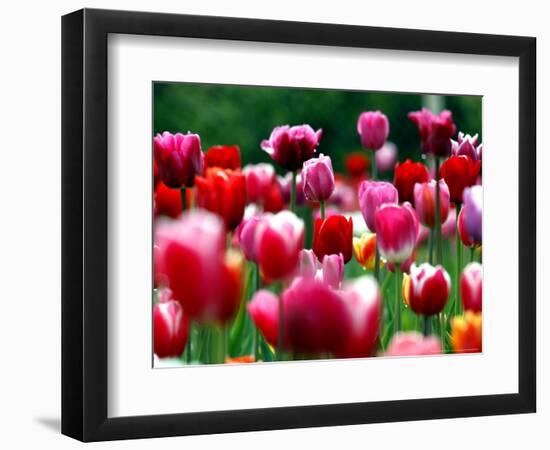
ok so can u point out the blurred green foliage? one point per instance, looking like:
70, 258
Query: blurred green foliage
245, 115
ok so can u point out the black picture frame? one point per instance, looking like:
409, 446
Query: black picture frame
84, 224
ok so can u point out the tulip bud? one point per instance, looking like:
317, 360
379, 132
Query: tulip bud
291, 146
473, 205
406, 175
364, 248
471, 287
333, 270
170, 329
264, 311
333, 235
223, 157
386, 157
396, 232
459, 172
424, 201
413, 344
179, 158
429, 289
374, 128
466, 333
279, 239
318, 178
373, 194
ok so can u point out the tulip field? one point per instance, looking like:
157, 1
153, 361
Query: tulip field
299, 225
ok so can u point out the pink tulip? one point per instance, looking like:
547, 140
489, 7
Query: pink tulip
471, 290
344, 197
179, 158
170, 329
246, 234
386, 157
308, 265
424, 201
259, 179
396, 232
363, 302
264, 311
374, 128
318, 178
372, 195
279, 239
467, 145
448, 228
290, 147
413, 344
333, 270
429, 289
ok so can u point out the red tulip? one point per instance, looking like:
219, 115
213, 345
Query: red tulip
357, 164
179, 158
279, 239
424, 201
374, 128
459, 172
429, 289
170, 329
290, 147
413, 344
223, 192
167, 201
273, 201
406, 175
435, 130
333, 235
264, 311
471, 287
363, 302
396, 232
223, 156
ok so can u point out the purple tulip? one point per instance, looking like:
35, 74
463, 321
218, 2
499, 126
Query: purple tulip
333, 270
179, 158
467, 145
374, 128
473, 211
372, 195
318, 178
386, 157
290, 147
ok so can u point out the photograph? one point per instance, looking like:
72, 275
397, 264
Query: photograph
312, 224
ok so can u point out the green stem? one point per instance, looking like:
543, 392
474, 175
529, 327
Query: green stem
439, 248
374, 168
322, 205
217, 347
458, 264
472, 254
183, 199
426, 325
257, 282
188, 355
431, 247
293, 193
397, 318
377, 264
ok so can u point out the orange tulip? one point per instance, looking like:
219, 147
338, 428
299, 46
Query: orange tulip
466, 333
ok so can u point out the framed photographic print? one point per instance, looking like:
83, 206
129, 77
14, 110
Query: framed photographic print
274, 224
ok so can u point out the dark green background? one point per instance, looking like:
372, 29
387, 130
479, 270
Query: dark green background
244, 115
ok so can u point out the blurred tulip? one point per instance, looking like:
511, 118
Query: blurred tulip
405, 266
273, 201
363, 301
333, 235
223, 192
279, 239
316, 319
435, 131
246, 359
285, 184
386, 157
374, 128
413, 344
264, 311
170, 329
246, 234
448, 228
318, 178
290, 147
164, 295
473, 211
429, 289
372, 195
459, 172
471, 287
396, 232
466, 333
308, 265
159, 273
357, 164
344, 197
465, 237
333, 270
424, 201
223, 156
467, 145
191, 256
179, 158
364, 248
167, 201
259, 180
406, 175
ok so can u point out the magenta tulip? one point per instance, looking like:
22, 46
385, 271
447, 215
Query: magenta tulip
471, 290
259, 179
396, 232
333, 270
290, 147
413, 344
424, 201
374, 128
179, 158
318, 178
429, 289
246, 235
372, 195
264, 311
170, 329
